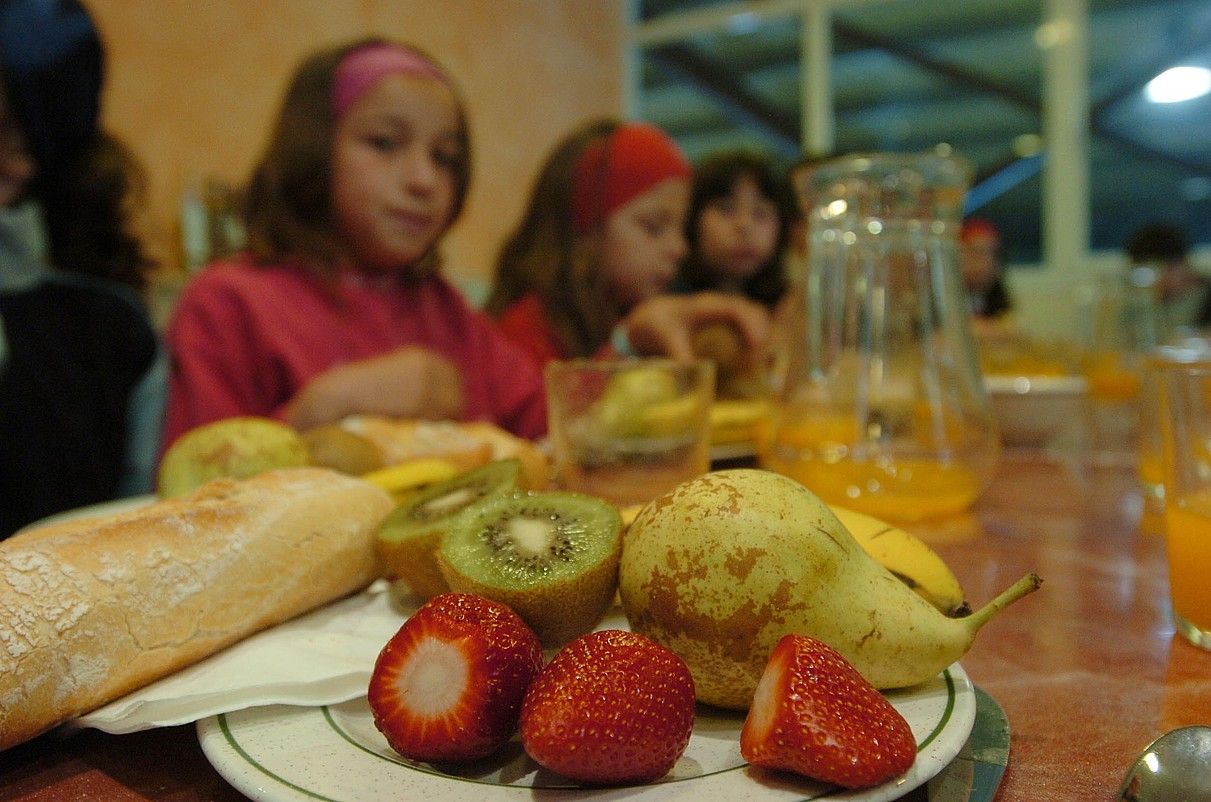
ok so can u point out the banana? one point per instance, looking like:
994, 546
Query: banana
404, 478
735, 420
628, 515
909, 558
673, 417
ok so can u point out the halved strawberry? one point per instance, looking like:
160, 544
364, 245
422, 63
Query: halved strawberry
611, 707
815, 715
448, 685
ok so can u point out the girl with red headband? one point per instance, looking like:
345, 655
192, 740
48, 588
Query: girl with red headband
586, 271
337, 306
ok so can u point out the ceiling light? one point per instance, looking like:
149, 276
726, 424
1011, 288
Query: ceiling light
1177, 84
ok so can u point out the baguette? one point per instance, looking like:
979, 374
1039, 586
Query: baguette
93, 609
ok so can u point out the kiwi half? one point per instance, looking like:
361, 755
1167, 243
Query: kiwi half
552, 557
409, 536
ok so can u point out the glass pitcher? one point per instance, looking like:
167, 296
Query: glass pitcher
882, 405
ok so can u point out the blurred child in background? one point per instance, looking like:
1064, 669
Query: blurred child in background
81, 389
1184, 295
980, 263
738, 228
338, 306
586, 271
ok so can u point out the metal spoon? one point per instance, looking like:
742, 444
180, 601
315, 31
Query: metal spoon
1176, 767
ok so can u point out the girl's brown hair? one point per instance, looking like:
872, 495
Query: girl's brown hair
545, 256
287, 206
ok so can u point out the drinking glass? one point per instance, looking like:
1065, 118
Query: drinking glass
883, 406
1184, 399
1187, 351
1121, 323
629, 430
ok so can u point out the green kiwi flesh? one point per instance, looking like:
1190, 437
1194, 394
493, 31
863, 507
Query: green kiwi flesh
409, 536
552, 557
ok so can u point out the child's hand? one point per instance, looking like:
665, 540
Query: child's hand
409, 382
665, 325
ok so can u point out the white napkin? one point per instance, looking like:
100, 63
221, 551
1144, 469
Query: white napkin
321, 658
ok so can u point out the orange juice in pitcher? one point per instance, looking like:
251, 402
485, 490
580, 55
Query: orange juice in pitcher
819, 454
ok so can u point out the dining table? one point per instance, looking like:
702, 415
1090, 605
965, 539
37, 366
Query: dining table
1087, 670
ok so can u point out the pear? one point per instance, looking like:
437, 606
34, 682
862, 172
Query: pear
724, 565
237, 447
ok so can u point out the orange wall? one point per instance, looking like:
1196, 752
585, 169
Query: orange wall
194, 85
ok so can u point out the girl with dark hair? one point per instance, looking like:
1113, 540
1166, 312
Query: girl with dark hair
738, 227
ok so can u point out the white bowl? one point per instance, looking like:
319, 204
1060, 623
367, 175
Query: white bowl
1033, 410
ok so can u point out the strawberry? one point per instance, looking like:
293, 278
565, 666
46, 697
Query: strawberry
448, 685
611, 707
815, 715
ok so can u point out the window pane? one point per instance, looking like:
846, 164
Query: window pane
732, 88
1151, 162
966, 75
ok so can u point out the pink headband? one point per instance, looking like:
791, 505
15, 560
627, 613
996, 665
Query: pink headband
612, 171
364, 67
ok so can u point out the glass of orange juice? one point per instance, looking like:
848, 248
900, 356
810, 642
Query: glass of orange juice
1184, 407
1121, 321
628, 430
1186, 351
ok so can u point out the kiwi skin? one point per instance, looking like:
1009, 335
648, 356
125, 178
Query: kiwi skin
558, 610
406, 547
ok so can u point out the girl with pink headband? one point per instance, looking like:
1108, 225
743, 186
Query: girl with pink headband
585, 272
337, 307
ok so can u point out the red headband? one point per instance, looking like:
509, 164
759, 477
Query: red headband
362, 68
612, 171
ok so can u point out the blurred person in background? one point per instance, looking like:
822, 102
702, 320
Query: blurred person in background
738, 227
587, 271
980, 264
1184, 295
338, 305
81, 388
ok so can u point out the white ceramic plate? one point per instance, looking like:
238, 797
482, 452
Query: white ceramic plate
291, 754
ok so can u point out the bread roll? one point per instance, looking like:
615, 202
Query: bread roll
466, 445
93, 609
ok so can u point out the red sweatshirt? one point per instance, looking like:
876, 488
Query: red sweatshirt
525, 323
244, 340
